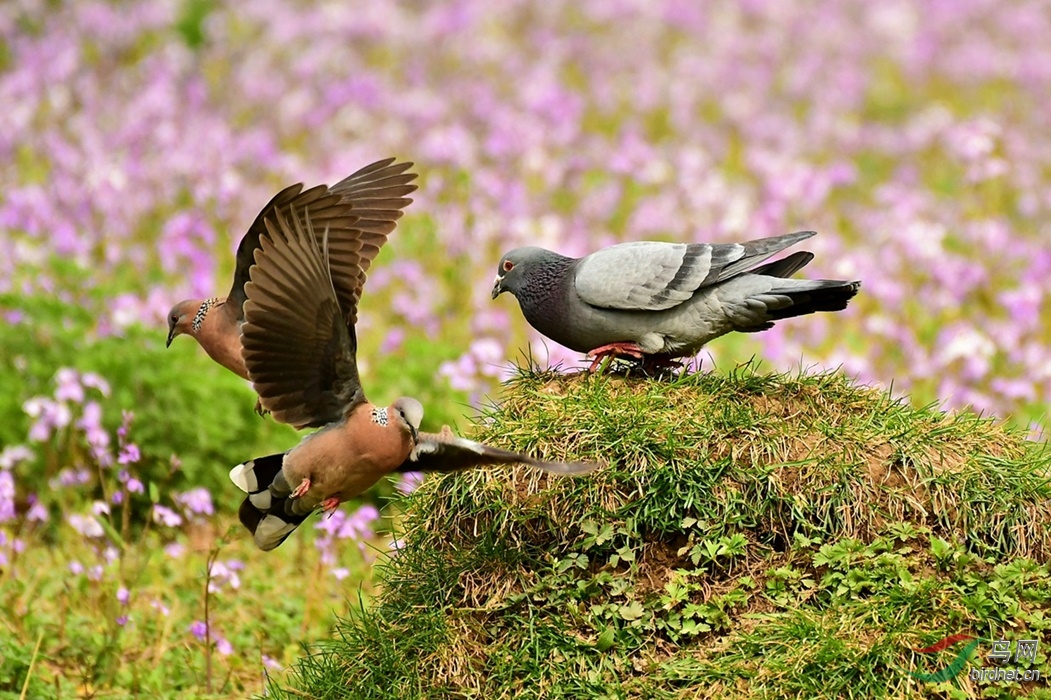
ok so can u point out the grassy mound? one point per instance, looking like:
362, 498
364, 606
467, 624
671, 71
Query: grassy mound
752, 536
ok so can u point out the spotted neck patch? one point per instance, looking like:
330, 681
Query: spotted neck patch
379, 416
202, 312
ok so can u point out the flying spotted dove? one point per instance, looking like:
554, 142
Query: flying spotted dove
300, 353
656, 301
375, 195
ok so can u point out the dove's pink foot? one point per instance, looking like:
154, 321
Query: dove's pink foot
617, 350
302, 489
329, 505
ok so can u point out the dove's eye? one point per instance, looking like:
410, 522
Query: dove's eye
175, 318
508, 266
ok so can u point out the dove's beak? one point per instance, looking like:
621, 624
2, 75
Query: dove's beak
415, 434
171, 337
498, 288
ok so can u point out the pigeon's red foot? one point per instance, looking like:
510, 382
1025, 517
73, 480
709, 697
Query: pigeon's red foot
329, 505
629, 349
260, 411
302, 489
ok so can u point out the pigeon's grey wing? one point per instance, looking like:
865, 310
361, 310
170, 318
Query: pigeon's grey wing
653, 276
445, 452
299, 352
325, 213
376, 194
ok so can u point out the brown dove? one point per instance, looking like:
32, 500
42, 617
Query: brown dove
375, 195
299, 347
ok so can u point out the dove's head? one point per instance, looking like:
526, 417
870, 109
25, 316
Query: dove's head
407, 414
519, 265
180, 319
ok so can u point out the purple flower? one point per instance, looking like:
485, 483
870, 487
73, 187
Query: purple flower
409, 482
198, 629
49, 414
271, 663
68, 386
98, 439
76, 568
359, 525
122, 620
123, 596
129, 454
7, 496
166, 516
225, 574
13, 455
37, 512
90, 379
196, 501
86, 525
223, 647
175, 550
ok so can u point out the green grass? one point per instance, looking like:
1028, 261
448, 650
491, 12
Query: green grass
84, 651
752, 535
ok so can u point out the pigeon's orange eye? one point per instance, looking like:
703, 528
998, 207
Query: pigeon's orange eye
508, 266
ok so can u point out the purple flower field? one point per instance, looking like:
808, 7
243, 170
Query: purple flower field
140, 139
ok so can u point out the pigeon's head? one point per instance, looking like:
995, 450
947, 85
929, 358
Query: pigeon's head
407, 414
180, 319
516, 267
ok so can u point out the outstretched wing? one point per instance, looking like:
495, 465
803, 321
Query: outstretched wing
653, 276
446, 452
325, 213
299, 352
375, 195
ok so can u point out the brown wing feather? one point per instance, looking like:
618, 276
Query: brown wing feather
377, 195
299, 352
324, 213
446, 452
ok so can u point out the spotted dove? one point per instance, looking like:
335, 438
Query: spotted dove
656, 301
300, 353
375, 195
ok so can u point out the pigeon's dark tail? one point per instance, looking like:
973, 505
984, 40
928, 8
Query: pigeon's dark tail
824, 295
267, 512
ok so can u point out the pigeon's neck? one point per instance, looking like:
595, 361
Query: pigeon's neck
545, 294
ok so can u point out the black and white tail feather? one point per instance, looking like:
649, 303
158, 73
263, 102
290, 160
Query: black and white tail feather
267, 512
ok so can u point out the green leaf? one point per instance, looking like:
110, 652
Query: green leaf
632, 611
605, 640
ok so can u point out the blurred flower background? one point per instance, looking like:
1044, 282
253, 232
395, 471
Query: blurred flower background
139, 139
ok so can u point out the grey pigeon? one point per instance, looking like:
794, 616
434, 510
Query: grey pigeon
657, 301
300, 352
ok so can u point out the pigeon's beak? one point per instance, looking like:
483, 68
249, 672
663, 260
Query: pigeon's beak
171, 337
498, 287
415, 434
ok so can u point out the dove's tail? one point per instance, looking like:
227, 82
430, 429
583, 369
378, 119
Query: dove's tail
267, 512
